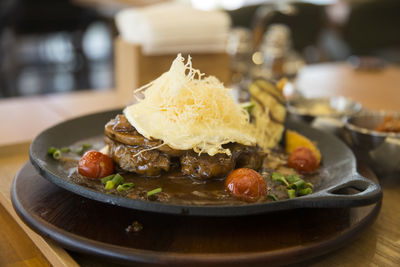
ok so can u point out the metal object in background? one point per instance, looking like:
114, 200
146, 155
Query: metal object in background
276, 58
263, 54
240, 48
262, 19
381, 150
308, 109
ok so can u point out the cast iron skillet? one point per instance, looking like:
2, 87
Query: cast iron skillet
338, 161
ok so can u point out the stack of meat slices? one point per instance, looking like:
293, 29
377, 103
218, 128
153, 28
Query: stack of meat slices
134, 153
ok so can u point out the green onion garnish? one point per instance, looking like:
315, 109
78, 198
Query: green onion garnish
65, 149
118, 179
298, 185
51, 150
115, 181
273, 197
291, 193
83, 148
310, 185
292, 178
86, 146
57, 154
294, 184
125, 186
305, 191
154, 191
277, 177
107, 178
109, 185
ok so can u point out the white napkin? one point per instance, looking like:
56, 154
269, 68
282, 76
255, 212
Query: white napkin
174, 28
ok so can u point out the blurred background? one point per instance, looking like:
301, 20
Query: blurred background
49, 46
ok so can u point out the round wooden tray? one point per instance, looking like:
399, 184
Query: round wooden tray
92, 227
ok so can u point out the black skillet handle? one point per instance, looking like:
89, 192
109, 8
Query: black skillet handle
366, 192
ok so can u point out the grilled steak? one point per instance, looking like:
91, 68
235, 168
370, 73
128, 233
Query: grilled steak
134, 159
136, 153
205, 166
120, 130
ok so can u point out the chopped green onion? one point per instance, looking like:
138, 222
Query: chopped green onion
57, 154
277, 177
293, 184
305, 191
116, 180
86, 146
109, 185
65, 149
310, 185
298, 185
83, 148
154, 191
107, 178
124, 187
273, 197
51, 150
292, 178
291, 193
54, 152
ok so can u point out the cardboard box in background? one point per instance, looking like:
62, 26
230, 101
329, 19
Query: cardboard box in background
133, 69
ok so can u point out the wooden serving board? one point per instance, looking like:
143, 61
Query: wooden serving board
95, 228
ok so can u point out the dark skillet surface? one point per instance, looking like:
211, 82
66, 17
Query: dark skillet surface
338, 162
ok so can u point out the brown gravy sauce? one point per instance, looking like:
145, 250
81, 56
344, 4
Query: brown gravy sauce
179, 189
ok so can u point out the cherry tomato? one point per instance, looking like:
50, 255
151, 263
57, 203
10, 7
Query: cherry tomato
303, 160
95, 165
246, 184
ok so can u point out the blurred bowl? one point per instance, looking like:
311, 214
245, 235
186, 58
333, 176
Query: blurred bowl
307, 109
380, 150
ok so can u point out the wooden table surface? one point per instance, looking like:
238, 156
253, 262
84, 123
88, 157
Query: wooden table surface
23, 118
375, 90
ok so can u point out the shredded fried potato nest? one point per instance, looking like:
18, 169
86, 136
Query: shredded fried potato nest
186, 110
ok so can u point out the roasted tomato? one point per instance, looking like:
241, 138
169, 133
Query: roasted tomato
246, 184
294, 140
95, 165
303, 160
